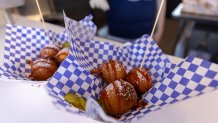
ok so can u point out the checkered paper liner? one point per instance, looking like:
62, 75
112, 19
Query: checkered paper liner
24, 43
172, 82
73, 74
84, 30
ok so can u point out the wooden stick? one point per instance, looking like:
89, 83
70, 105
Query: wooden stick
40, 13
8, 16
158, 15
152, 33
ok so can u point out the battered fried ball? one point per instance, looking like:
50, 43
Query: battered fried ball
61, 55
49, 51
42, 69
110, 71
140, 79
119, 97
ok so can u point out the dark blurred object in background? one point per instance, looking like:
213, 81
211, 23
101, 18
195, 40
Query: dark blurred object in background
53, 11
131, 20
76, 9
171, 5
215, 58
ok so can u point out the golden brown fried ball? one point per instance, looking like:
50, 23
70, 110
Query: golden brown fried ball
49, 51
110, 71
119, 97
61, 55
42, 69
140, 79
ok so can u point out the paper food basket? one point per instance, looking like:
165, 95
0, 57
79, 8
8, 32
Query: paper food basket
172, 82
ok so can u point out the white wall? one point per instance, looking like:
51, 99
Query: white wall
10, 3
2, 20
30, 7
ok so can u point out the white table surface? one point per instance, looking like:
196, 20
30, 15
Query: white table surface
21, 103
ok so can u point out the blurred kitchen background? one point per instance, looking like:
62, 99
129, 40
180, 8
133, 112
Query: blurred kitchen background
187, 30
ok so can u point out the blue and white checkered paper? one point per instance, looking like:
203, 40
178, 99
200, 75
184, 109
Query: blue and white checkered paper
73, 74
84, 30
24, 43
172, 82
